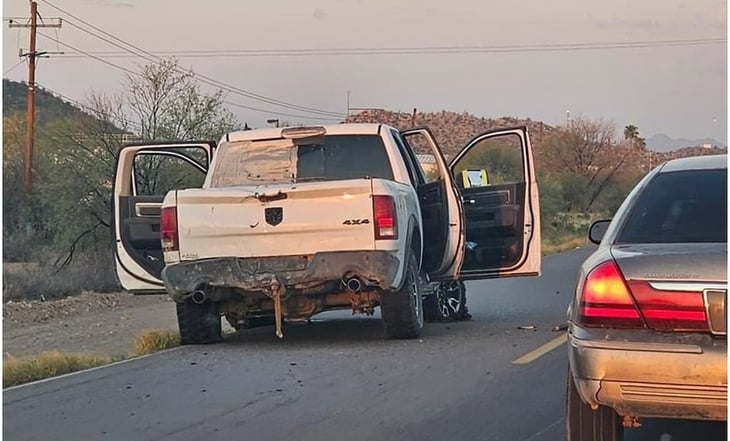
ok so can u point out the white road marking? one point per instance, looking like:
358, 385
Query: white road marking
542, 350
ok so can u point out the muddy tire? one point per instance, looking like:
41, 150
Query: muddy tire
447, 303
402, 310
585, 424
199, 323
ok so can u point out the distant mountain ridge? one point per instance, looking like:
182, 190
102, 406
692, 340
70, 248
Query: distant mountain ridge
49, 108
664, 143
452, 129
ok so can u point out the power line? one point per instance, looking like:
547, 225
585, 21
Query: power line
90, 109
100, 59
318, 118
233, 104
14, 66
425, 50
203, 78
131, 72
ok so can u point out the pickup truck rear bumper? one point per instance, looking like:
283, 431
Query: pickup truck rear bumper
297, 273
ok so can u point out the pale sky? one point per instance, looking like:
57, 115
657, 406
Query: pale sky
680, 91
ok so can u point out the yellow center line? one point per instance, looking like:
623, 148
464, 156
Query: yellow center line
542, 350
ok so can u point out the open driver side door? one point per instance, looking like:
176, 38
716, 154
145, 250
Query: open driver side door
501, 215
145, 173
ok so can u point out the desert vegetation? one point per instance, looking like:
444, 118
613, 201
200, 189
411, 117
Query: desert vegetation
57, 240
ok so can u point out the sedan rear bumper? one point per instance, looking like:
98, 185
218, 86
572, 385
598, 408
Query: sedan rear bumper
649, 374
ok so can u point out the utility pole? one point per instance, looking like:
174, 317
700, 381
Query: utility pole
32, 54
348, 103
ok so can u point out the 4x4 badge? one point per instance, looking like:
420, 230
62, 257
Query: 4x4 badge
274, 215
356, 221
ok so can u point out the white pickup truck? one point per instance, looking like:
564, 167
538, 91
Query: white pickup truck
277, 225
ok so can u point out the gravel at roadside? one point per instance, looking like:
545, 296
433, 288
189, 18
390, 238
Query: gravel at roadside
100, 323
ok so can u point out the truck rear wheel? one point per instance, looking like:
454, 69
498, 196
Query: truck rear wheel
199, 323
402, 310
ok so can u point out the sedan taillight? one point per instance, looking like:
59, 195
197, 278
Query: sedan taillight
606, 301
670, 310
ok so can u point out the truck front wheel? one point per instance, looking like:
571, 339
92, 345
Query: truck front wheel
199, 323
402, 310
447, 303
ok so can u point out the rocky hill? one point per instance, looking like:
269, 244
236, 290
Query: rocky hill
452, 130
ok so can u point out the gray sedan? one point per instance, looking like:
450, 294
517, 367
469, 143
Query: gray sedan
647, 324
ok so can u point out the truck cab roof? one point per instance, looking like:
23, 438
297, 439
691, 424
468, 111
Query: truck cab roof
276, 133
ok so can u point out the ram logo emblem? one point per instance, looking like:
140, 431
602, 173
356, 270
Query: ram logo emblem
274, 215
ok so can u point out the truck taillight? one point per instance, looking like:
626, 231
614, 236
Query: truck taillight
386, 218
168, 229
606, 300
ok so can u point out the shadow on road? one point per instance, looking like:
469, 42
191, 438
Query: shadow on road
678, 430
323, 332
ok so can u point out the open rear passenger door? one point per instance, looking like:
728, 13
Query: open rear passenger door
145, 173
501, 212
441, 209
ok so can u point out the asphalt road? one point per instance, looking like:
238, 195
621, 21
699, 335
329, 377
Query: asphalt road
339, 379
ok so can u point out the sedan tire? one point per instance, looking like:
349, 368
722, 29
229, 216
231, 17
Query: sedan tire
585, 424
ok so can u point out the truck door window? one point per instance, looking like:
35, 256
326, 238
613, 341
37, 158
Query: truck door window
420, 148
414, 173
158, 172
492, 161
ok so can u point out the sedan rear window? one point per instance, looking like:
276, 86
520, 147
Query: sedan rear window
680, 207
280, 161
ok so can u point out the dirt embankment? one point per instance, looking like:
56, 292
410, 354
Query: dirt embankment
100, 323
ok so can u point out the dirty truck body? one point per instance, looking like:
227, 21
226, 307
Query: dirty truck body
277, 225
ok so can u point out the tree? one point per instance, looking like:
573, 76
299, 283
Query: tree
13, 151
586, 156
631, 134
162, 102
166, 103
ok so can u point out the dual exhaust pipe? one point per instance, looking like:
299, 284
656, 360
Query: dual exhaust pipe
353, 284
199, 296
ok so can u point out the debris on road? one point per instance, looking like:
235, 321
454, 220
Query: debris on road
528, 328
559, 328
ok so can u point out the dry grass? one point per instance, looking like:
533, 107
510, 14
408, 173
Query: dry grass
36, 280
19, 370
569, 243
156, 340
